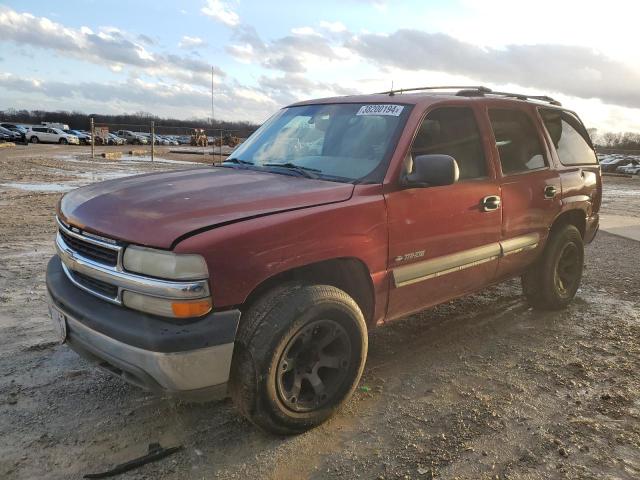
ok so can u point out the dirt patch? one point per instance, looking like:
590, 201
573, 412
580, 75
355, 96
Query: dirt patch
481, 387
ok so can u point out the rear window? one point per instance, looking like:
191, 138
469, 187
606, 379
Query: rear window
569, 137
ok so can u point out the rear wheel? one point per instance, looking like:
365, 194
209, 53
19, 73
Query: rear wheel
34, 139
300, 351
554, 280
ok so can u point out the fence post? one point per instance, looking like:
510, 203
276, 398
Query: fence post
153, 139
93, 140
220, 150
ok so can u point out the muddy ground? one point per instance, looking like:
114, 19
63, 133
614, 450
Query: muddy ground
481, 387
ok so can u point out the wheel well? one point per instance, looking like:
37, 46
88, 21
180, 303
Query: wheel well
348, 274
576, 218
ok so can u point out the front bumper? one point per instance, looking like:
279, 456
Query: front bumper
187, 359
591, 228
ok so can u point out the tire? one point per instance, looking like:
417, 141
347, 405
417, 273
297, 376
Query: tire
63, 141
554, 280
293, 337
34, 139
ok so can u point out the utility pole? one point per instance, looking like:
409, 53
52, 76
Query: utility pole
153, 139
93, 140
212, 95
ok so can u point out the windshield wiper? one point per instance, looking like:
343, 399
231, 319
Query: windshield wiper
307, 172
237, 161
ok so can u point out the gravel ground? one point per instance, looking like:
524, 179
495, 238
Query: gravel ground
481, 387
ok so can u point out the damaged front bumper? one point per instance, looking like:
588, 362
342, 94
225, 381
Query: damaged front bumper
190, 359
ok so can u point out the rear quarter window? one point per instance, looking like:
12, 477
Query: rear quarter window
569, 137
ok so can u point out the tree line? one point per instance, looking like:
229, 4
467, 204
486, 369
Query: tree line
81, 121
622, 140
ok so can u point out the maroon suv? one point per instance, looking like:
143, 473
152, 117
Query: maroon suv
261, 277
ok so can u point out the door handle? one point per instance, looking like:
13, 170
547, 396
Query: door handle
490, 203
550, 191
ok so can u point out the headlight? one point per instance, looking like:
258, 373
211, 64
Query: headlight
165, 307
163, 264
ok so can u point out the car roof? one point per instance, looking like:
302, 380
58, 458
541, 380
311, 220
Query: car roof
425, 96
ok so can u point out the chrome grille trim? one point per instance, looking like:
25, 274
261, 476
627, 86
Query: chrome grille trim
93, 239
73, 261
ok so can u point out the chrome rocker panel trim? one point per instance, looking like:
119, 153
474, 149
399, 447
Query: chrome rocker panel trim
436, 267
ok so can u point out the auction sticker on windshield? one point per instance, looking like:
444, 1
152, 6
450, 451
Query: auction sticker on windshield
382, 109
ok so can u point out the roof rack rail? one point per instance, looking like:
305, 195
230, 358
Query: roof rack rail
476, 91
391, 93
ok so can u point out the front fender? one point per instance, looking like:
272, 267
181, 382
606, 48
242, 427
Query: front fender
240, 256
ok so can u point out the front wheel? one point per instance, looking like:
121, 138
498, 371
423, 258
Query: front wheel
34, 139
63, 141
554, 280
299, 354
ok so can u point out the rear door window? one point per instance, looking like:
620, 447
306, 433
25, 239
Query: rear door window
569, 137
517, 141
452, 131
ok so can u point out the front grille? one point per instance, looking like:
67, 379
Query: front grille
96, 285
89, 250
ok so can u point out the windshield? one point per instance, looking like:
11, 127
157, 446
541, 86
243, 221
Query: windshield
344, 142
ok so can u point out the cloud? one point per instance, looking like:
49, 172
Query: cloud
334, 27
191, 42
109, 46
304, 31
221, 12
573, 70
287, 54
232, 102
290, 88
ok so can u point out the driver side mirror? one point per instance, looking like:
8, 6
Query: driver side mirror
432, 171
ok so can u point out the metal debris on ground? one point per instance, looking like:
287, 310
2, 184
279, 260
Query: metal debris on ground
156, 452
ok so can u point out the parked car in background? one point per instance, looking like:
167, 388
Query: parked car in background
51, 135
132, 138
159, 139
113, 139
630, 168
85, 138
184, 140
5, 137
16, 128
612, 165
11, 136
213, 281
170, 140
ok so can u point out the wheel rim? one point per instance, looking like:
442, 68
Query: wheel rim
314, 365
567, 272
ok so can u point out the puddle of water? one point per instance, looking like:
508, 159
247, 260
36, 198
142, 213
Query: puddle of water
145, 159
39, 187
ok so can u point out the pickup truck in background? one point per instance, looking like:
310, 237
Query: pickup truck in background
261, 278
132, 138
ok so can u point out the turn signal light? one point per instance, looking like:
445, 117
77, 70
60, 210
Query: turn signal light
191, 309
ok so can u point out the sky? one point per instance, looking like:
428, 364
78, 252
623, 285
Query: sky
161, 56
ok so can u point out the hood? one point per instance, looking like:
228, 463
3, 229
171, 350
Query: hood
155, 209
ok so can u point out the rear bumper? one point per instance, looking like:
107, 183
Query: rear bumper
187, 359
